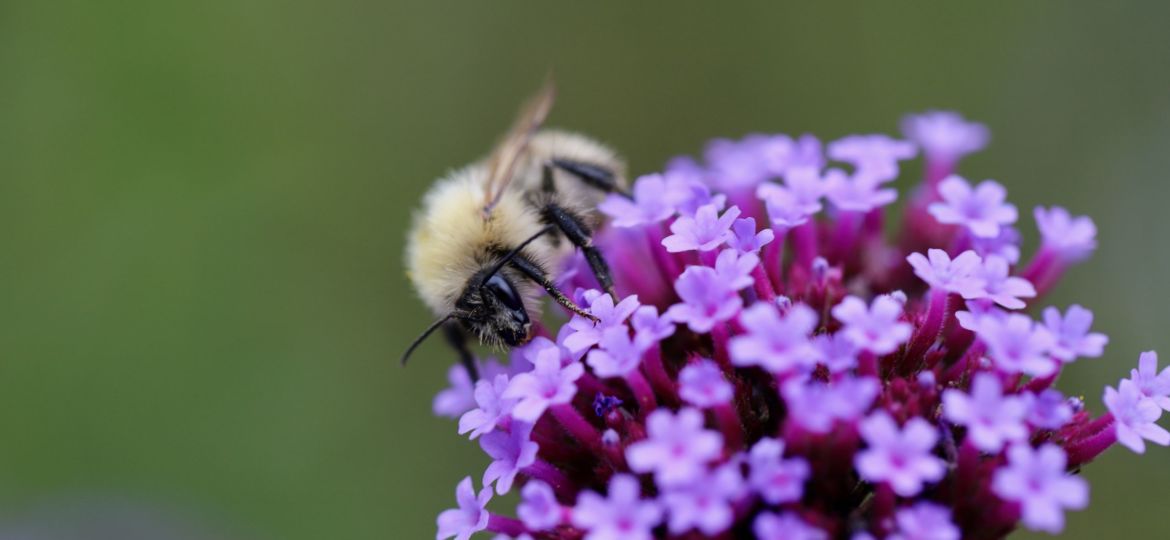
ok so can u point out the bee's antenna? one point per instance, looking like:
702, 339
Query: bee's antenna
515, 251
423, 336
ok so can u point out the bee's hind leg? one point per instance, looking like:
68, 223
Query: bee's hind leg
593, 175
457, 338
578, 233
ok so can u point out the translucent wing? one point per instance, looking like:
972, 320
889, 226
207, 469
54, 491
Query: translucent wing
502, 162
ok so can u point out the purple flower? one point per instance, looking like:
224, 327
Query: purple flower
1017, 345
549, 383
677, 448
621, 515
992, 419
778, 344
925, 521
648, 205
618, 355
815, 405
649, 328
1036, 479
877, 155
538, 508
903, 458
1006, 245
745, 239
685, 190
492, 408
1049, 409
982, 210
457, 399
784, 210
1134, 417
836, 352
956, 275
1001, 288
859, 193
705, 504
780, 154
707, 300
471, 516
786, 526
1072, 333
802, 189
510, 453
735, 269
586, 333
775, 479
1072, 238
702, 384
945, 136
704, 231
877, 328
1153, 385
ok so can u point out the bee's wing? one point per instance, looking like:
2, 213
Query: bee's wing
502, 162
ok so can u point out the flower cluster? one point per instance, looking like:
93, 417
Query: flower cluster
779, 365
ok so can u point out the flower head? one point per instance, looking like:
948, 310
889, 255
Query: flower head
925, 521
958, 275
876, 328
902, 457
471, 516
945, 136
1071, 238
676, 449
777, 343
622, 514
704, 231
1071, 331
707, 299
647, 205
510, 453
992, 419
1135, 416
982, 209
1036, 479
771, 382
702, 384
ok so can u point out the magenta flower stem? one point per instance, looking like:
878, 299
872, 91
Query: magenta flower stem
930, 329
1040, 266
658, 376
730, 424
845, 235
577, 426
867, 364
549, 474
1088, 449
663, 260
763, 284
505, 525
708, 258
719, 339
804, 244
1039, 384
643, 393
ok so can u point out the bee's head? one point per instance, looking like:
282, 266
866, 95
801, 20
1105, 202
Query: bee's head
493, 309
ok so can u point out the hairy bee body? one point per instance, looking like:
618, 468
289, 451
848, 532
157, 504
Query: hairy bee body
454, 242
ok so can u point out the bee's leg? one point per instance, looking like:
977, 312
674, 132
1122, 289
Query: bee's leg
538, 276
579, 234
598, 177
457, 338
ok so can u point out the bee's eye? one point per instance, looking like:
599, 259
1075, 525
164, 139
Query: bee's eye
504, 292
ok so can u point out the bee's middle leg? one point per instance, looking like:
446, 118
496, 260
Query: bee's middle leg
579, 235
457, 338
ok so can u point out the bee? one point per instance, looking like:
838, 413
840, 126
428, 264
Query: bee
490, 238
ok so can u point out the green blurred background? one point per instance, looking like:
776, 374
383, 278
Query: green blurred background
203, 205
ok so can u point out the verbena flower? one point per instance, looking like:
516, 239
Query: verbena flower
779, 365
